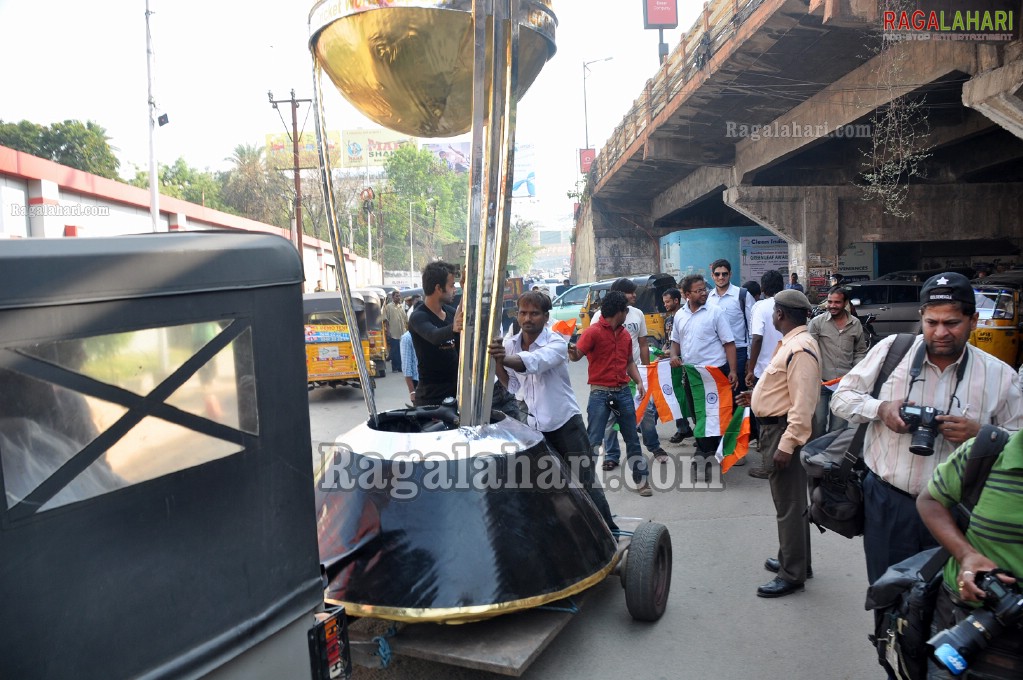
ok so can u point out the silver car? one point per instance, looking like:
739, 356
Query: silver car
894, 304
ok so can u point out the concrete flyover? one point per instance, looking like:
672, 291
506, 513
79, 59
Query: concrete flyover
764, 115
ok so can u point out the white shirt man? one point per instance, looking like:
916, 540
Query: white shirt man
761, 324
534, 363
701, 335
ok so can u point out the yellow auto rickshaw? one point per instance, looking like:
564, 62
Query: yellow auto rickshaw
649, 298
999, 324
330, 359
375, 299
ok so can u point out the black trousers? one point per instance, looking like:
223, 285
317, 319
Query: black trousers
892, 528
573, 444
433, 394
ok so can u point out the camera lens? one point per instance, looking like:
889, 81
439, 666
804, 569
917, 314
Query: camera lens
953, 646
922, 443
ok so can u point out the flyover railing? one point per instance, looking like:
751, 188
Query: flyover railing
718, 22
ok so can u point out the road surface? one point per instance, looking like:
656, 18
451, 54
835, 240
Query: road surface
715, 626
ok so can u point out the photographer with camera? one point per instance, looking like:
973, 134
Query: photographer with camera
979, 610
937, 397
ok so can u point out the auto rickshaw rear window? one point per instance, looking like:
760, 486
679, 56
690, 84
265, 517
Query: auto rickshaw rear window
87, 416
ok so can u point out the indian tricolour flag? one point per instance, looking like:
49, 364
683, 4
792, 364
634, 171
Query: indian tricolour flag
664, 385
734, 442
712, 400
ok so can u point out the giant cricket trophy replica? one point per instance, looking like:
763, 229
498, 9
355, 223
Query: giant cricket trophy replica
438, 514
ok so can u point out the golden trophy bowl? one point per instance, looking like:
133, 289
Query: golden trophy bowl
408, 64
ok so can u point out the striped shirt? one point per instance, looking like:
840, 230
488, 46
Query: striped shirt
996, 525
989, 394
409, 363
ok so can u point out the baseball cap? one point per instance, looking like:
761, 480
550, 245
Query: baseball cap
947, 287
792, 299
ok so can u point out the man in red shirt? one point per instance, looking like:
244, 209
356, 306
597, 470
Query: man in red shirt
608, 347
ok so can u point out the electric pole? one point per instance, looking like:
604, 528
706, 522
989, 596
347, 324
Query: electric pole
296, 166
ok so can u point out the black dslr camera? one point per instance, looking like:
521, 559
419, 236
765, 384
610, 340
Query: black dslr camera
923, 423
1003, 608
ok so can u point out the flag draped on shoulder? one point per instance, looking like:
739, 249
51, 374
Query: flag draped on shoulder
664, 385
734, 442
712, 399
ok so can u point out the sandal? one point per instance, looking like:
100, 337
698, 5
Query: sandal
610, 465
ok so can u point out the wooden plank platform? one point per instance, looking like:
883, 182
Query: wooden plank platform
505, 644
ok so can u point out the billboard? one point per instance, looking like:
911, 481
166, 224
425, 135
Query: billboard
455, 154
371, 148
758, 254
524, 177
586, 158
280, 154
660, 13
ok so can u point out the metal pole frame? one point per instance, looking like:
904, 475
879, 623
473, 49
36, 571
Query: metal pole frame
493, 151
343, 285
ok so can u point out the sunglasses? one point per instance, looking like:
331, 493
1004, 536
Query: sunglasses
720, 274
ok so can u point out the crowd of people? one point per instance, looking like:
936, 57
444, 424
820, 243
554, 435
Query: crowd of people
802, 377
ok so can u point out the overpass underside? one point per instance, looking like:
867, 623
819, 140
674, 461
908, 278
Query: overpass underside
774, 119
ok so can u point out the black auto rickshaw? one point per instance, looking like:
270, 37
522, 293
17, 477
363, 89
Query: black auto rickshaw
649, 298
158, 517
374, 299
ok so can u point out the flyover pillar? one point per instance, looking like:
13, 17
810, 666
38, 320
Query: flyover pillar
806, 217
996, 94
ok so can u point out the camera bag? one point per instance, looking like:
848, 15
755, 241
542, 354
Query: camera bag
905, 597
834, 466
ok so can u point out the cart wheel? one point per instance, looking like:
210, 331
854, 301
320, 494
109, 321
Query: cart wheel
648, 572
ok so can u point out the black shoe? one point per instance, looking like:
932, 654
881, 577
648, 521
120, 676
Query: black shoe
772, 564
677, 438
779, 587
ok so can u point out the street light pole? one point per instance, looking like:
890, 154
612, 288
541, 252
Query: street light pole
586, 118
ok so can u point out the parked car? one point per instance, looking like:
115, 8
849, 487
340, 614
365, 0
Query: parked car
569, 304
649, 292
894, 304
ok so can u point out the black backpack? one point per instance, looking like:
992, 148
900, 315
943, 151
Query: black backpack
905, 596
834, 464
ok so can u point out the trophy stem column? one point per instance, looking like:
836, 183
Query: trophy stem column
493, 148
343, 285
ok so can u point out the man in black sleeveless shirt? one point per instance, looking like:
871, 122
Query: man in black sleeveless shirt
435, 326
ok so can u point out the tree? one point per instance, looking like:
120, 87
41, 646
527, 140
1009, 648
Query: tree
520, 244
255, 191
185, 182
84, 146
439, 201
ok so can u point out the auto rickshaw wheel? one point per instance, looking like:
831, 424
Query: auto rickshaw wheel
648, 572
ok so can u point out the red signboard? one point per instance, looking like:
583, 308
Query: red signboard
660, 13
586, 157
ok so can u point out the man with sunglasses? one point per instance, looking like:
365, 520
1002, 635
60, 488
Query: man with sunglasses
737, 305
969, 386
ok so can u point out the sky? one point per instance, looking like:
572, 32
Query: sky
216, 61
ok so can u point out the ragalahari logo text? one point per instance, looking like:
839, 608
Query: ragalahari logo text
974, 20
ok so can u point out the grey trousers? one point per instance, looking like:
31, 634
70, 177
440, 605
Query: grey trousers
789, 491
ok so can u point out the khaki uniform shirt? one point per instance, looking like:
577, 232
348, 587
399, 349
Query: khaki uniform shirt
790, 386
